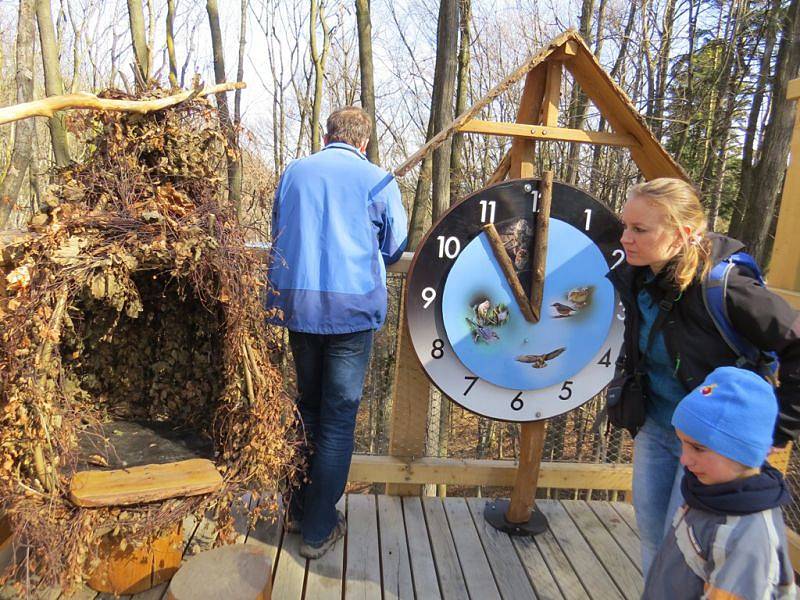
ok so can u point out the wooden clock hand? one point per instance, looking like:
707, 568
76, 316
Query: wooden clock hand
531, 308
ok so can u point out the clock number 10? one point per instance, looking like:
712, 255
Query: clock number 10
449, 247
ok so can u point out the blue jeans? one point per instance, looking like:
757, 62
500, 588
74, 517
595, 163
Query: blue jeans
330, 377
657, 475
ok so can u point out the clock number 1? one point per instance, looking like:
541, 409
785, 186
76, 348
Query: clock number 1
588, 213
517, 403
487, 206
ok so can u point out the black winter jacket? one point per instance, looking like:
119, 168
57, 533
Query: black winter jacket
693, 342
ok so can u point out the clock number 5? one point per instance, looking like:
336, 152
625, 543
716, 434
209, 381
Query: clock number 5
517, 403
566, 390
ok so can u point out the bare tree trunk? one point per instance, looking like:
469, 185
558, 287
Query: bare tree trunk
53, 84
237, 96
318, 59
578, 101
442, 101
140, 51
663, 67
771, 167
24, 132
234, 166
754, 116
173, 63
367, 74
421, 209
456, 159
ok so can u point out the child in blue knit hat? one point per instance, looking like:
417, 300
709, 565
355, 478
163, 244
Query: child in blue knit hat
728, 539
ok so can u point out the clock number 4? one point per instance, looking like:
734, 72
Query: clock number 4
606, 360
448, 247
517, 403
566, 390
487, 210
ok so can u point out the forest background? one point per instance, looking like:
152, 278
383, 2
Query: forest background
709, 76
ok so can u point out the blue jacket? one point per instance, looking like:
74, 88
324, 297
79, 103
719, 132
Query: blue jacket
337, 221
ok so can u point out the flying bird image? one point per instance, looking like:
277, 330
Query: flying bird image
539, 361
563, 311
481, 333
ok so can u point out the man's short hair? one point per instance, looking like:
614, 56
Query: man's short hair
351, 125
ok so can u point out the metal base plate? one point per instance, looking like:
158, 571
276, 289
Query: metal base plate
495, 515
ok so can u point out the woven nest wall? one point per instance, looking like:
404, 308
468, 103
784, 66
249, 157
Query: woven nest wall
134, 298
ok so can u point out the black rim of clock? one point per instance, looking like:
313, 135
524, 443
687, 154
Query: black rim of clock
605, 233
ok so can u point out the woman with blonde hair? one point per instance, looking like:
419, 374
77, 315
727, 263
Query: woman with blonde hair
672, 342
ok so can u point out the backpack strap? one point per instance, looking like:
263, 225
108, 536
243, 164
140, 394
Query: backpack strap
715, 293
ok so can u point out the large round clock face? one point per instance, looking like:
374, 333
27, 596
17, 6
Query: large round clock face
467, 329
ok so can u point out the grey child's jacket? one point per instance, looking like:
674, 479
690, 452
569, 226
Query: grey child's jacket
723, 557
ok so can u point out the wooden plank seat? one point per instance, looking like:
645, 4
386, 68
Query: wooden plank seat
146, 483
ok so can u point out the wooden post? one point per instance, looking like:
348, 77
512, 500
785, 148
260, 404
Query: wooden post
531, 445
410, 399
499, 250
539, 243
529, 107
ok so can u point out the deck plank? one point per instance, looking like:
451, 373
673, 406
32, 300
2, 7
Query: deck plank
324, 579
396, 567
448, 568
266, 534
616, 562
474, 563
588, 568
290, 570
154, 593
620, 530
82, 593
538, 573
562, 571
626, 511
420, 553
363, 574
507, 568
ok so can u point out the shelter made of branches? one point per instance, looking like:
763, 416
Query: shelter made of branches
134, 297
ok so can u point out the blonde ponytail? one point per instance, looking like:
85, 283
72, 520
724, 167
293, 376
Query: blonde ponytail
681, 203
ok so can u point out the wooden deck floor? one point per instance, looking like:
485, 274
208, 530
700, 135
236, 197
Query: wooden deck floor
442, 548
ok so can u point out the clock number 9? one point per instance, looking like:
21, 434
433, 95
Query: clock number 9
438, 348
517, 403
449, 247
428, 295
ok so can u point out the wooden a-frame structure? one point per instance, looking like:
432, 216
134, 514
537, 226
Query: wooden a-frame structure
537, 120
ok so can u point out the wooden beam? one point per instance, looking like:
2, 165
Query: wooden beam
548, 115
500, 473
784, 266
793, 90
410, 400
553, 134
794, 548
501, 171
529, 107
650, 156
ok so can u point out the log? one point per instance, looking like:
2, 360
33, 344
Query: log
46, 107
147, 483
131, 570
241, 571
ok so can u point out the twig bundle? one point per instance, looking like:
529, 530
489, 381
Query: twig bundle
136, 299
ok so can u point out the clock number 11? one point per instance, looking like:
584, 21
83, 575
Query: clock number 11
487, 206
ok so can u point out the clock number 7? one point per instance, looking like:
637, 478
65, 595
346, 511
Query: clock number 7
473, 379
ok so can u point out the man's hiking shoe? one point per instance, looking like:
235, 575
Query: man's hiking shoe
312, 552
292, 526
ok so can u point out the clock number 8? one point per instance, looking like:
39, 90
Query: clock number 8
438, 348
517, 403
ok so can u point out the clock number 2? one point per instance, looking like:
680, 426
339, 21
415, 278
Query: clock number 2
438, 348
517, 403
620, 254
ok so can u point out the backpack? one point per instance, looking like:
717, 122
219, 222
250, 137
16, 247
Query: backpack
715, 290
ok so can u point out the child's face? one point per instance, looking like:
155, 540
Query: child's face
708, 466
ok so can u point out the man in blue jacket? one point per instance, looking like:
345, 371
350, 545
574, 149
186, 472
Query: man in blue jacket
337, 221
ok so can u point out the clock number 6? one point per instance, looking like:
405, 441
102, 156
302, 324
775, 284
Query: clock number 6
517, 403
438, 348
566, 390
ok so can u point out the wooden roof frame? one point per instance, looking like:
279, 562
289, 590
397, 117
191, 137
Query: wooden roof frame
537, 116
